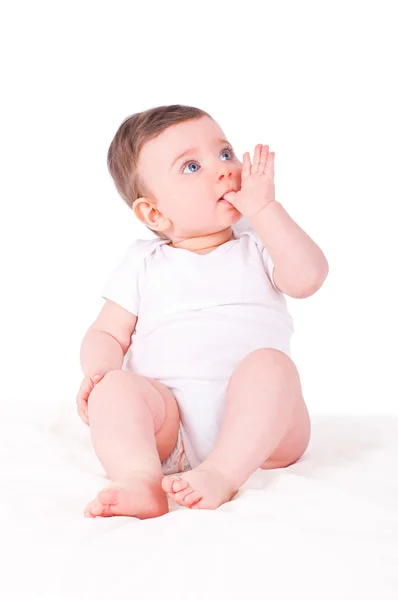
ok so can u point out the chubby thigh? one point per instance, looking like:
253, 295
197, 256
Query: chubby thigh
136, 390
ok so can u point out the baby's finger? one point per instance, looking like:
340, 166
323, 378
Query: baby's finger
246, 169
263, 159
269, 167
97, 377
83, 415
84, 390
256, 158
82, 405
82, 398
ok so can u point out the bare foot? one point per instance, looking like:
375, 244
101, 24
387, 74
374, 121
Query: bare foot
203, 487
141, 496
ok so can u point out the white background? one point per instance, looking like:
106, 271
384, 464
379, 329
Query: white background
313, 80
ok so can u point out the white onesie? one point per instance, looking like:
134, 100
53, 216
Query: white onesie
199, 315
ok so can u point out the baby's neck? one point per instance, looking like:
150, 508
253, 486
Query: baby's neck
204, 244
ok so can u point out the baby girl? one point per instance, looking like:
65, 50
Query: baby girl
188, 382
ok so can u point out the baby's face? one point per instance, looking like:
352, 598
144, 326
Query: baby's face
188, 188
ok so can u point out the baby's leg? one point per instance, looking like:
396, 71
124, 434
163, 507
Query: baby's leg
266, 424
134, 424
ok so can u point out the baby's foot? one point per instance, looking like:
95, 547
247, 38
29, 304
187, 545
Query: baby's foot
203, 487
140, 496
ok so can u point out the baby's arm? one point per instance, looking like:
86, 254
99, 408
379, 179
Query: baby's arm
107, 340
300, 265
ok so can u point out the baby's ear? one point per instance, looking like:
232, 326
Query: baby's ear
146, 211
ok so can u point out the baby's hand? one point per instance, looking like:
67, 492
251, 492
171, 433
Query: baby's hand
85, 390
258, 188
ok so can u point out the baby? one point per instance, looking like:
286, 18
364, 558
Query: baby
188, 382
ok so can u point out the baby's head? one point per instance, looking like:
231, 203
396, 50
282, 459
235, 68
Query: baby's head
173, 192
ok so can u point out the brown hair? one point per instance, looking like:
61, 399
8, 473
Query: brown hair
128, 141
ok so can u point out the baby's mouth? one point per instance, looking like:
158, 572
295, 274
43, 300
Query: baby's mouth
222, 197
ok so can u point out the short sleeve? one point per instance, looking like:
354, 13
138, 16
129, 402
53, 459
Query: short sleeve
271, 267
267, 260
122, 285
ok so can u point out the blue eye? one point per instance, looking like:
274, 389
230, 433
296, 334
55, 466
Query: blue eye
189, 162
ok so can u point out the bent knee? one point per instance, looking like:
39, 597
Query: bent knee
117, 381
119, 375
271, 361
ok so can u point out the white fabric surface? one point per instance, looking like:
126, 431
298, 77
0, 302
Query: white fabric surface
325, 527
199, 315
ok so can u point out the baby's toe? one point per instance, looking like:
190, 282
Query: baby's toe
87, 510
168, 483
192, 498
180, 485
180, 496
95, 508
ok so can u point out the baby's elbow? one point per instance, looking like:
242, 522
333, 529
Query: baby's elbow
316, 284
